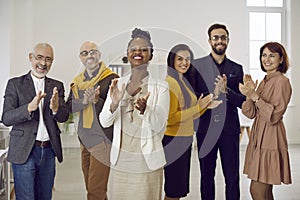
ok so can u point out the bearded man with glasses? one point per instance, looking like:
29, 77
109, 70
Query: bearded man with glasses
218, 129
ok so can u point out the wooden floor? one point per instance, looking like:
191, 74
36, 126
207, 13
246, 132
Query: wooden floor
69, 180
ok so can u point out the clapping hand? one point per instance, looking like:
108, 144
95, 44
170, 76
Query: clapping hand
220, 85
96, 96
203, 102
54, 104
214, 103
249, 86
116, 95
208, 102
34, 104
141, 103
91, 95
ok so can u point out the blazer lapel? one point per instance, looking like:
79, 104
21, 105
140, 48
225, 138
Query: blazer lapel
48, 91
209, 72
29, 87
29, 92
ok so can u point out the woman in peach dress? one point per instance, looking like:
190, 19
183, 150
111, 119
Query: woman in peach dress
267, 158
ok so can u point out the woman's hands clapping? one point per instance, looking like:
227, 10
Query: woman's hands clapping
208, 102
116, 95
141, 103
249, 86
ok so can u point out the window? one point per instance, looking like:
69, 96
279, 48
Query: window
265, 3
266, 23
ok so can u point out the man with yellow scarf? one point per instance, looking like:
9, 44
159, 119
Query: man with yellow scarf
87, 96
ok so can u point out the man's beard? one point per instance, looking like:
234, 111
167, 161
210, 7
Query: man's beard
38, 74
219, 52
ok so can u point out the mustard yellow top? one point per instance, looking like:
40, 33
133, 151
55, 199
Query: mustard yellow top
181, 122
79, 84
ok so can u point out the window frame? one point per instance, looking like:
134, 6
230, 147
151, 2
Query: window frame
284, 28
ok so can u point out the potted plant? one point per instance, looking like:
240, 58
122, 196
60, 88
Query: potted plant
69, 125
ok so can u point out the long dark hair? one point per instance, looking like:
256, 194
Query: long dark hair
173, 72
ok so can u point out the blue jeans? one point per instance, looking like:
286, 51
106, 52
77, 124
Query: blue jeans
34, 179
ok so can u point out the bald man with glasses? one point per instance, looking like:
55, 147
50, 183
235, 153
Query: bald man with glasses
87, 97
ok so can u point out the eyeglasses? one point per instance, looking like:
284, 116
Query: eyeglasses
43, 58
217, 37
91, 52
142, 49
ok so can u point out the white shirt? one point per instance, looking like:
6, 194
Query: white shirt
42, 134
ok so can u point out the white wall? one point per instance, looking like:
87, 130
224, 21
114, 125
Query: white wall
292, 121
5, 43
66, 24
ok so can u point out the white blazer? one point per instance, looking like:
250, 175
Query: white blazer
153, 127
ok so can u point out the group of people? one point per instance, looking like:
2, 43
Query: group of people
136, 131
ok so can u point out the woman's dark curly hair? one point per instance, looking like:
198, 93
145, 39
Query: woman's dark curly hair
139, 33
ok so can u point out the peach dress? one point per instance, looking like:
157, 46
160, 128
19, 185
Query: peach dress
267, 157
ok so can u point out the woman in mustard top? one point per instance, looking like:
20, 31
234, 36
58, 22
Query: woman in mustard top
184, 108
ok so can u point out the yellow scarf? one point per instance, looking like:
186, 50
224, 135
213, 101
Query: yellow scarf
79, 84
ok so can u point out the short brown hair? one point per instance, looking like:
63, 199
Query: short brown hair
276, 47
217, 26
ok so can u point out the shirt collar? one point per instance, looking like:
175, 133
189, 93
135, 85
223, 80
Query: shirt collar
86, 75
35, 79
225, 58
274, 74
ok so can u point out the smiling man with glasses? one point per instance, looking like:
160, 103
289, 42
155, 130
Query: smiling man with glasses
219, 128
91, 52
217, 37
33, 105
42, 58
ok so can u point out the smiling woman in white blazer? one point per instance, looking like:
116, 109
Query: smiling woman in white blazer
138, 106
153, 126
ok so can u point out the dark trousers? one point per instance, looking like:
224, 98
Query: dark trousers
228, 147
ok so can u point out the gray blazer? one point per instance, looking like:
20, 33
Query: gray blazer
18, 94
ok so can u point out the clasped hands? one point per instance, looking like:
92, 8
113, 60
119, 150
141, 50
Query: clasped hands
116, 96
248, 87
210, 101
220, 85
54, 103
91, 95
